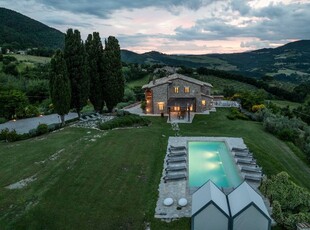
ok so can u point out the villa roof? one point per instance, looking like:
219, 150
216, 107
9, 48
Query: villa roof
170, 78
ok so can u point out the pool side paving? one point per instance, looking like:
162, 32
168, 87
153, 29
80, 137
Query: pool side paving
180, 189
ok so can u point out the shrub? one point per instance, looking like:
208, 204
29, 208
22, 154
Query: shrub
121, 113
32, 132
291, 203
236, 114
42, 129
52, 127
8, 135
124, 121
2, 120
143, 105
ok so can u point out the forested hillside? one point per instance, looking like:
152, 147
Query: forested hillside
289, 63
19, 32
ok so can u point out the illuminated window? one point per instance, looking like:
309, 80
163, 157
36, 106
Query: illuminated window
161, 106
176, 108
203, 102
176, 89
186, 90
191, 108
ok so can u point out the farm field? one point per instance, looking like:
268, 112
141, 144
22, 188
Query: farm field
90, 179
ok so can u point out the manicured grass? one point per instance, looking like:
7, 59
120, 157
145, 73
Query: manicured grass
139, 82
31, 58
109, 180
219, 84
282, 104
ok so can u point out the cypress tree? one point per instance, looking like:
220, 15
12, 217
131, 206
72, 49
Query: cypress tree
60, 89
75, 57
114, 82
94, 50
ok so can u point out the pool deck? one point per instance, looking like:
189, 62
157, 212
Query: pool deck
180, 189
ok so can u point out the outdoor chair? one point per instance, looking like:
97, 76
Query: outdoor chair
174, 177
176, 160
177, 154
253, 178
251, 169
175, 168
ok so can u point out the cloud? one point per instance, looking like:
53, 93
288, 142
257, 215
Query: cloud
241, 6
273, 23
255, 44
104, 8
177, 26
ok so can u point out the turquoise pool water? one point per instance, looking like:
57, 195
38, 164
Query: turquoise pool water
212, 161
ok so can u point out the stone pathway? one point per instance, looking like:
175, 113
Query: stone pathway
93, 124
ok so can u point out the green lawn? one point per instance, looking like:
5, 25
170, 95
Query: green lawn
282, 104
139, 82
219, 84
109, 180
31, 58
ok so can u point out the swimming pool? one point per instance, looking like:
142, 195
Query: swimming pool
211, 161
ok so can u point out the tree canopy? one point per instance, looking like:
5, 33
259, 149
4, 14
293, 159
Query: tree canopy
114, 84
94, 50
60, 85
75, 57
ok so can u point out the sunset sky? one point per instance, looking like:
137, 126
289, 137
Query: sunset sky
177, 26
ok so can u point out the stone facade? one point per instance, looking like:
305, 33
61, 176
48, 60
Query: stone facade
176, 93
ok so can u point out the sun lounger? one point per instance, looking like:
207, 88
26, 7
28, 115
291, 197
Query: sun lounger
251, 169
239, 149
175, 168
176, 150
174, 177
171, 148
176, 159
246, 160
243, 154
177, 154
253, 178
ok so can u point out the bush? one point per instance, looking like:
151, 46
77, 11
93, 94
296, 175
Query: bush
124, 121
32, 132
121, 113
42, 129
236, 114
123, 104
53, 127
291, 203
8, 135
2, 120
143, 105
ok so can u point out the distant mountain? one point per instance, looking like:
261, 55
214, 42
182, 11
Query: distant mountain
23, 32
290, 62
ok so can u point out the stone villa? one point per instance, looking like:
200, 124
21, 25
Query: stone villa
177, 93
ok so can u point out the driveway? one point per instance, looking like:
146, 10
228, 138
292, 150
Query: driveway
24, 125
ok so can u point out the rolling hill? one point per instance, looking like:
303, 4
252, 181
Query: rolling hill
290, 62
21, 32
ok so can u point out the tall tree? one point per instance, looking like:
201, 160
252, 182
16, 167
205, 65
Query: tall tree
114, 82
60, 85
75, 57
94, 50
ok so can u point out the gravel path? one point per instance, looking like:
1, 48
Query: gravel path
24, 125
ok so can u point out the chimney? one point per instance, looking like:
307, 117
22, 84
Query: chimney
154, 80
